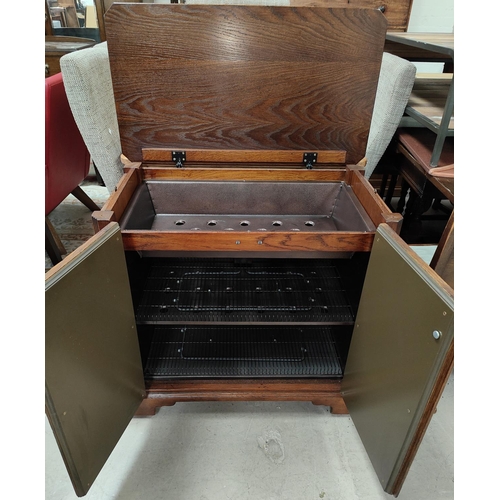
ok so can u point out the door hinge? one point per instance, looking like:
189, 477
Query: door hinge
179, 157
310, 159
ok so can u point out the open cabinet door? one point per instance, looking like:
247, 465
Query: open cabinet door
93, 373
400, 357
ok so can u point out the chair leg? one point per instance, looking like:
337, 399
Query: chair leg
82, 196
383, 185
392, 188
401, 207
98, 175
53, 244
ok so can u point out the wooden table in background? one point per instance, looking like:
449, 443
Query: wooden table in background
57, 46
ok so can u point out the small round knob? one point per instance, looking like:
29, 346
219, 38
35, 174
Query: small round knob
436, 334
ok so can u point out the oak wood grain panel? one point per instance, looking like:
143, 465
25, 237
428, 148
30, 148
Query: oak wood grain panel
244, 77
154, 173
219, 157
341, 241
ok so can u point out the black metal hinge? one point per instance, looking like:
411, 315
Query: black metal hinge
179, 157
310, 159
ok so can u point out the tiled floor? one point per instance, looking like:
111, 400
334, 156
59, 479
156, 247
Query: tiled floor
257, 451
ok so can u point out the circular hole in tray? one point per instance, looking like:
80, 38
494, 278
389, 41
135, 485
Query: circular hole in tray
309, 223
211, 223
244, 223
195, 229
277, 223
180, 222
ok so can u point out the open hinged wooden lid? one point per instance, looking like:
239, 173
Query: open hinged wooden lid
244, 77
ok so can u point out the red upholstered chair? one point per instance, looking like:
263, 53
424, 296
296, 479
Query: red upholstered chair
67, 160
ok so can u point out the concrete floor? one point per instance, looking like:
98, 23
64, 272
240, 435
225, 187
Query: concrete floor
257, 451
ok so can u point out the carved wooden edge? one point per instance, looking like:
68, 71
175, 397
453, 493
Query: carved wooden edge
248, 156
342, 241
248, 174
117, 202
429, 410
101, 219
319, 392
375, 207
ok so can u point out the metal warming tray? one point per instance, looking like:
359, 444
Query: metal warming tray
256, 151
245, 206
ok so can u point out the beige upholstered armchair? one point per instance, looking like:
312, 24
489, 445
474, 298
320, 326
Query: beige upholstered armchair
394, 88
87, 81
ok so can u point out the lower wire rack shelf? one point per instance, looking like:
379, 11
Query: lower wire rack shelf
242, 351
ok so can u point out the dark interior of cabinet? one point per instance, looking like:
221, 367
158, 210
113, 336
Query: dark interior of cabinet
236, 317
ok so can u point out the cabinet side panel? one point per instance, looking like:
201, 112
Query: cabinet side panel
93, 376
402, 336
